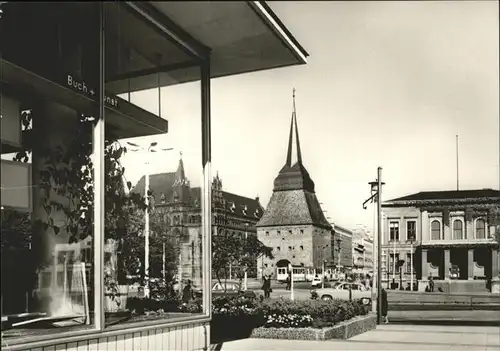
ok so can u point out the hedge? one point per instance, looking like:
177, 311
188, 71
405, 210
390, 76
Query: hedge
252, 313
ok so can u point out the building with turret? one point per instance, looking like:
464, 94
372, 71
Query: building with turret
294, 224
180, 207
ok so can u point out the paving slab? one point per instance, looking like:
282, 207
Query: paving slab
387, 337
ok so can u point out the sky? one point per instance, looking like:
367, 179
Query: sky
387, 84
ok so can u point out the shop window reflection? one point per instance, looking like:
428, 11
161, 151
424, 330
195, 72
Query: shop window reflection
154, 269
47, 215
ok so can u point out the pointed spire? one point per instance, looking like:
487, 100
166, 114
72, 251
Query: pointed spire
180, 175
290, 161
293, 175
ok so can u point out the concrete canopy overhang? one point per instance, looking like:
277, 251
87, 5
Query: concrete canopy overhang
238, 37
167, 42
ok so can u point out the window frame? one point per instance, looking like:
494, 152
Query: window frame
410, 260
440, 229
476, 230
98, 329
391, 222
393, 263
462, 229
408, 221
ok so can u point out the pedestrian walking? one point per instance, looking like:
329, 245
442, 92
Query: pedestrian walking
385, 306
267, 286
431, 284
288, 283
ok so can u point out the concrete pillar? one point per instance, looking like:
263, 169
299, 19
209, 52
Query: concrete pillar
447, 264
447, 234
491, 232
424, 227
495, 269
470, 264
425, 265
469, 230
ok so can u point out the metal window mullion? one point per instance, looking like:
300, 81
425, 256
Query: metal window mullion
98, 154
206, 206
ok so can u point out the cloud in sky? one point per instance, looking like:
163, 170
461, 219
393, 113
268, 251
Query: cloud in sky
387, 83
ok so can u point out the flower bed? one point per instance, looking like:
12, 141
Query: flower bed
244, 317
309, 313
343, 330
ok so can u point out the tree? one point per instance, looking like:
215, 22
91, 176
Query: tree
233, 249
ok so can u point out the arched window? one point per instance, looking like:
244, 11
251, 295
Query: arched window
457, 229
435, 230
480, 229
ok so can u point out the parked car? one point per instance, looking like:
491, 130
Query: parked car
316, 282
232, 288
341, 291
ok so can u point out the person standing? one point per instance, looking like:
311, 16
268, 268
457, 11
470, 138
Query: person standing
431, 284
385, 306
187, 292
267, 286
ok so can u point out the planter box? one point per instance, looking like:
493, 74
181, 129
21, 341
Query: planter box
116, 302
232, 327
343, 330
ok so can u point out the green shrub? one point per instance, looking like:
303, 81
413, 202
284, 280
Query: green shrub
286, 314
234, 306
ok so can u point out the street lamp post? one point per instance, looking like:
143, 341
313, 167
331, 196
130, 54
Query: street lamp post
376, 190
411, 263
246, 243
323, 262
151, 148
338, 249
393, 259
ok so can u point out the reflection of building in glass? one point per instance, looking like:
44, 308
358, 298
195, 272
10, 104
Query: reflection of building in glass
180, 205
294, 225
342, 248
453, 239
362, 250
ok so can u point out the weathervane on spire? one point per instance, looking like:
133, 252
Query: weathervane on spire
180, 153
293, 95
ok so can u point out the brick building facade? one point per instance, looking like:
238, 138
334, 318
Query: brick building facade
293, 223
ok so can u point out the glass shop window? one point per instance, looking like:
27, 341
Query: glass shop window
153, 265
47, 194
153, 172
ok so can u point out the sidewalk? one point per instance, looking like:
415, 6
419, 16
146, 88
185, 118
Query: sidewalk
447, 317
387, 337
